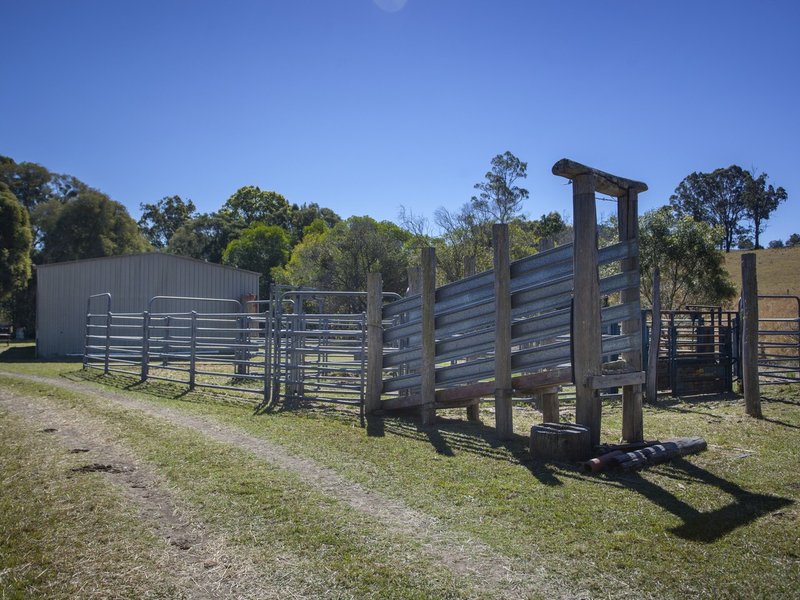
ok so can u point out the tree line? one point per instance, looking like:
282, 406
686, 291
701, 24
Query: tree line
50, 217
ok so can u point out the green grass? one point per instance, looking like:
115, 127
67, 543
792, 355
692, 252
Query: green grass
68, 535
722, 524
271, 515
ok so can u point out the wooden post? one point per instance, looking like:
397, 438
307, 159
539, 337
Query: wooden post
428, 366
655, 339
632, 419
469, 265
752, 393
550, 409
502, 332
474, 410
414, 280
374, 342
587, 360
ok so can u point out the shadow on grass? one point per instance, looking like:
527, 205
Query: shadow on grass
781, 423
25, 351
14, 353
159, 389
667, 401
450, 437
697, 525
789, 401
693, 404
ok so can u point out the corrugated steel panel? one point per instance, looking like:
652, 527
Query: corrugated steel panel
63, 289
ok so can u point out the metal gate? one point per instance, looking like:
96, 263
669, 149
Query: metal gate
778, 339
319, 341
697, 351
217, 350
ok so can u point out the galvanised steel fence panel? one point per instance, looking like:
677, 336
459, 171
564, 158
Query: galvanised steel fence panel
778, 339
98, 315
214, 350
125, 343
541, 288
319, 343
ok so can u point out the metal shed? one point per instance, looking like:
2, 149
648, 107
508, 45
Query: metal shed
63, 288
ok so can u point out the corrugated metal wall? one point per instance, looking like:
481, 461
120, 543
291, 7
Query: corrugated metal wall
62, 290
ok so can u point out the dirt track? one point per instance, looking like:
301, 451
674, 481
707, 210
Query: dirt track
203, 556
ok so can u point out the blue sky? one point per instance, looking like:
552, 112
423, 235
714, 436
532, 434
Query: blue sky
363, 109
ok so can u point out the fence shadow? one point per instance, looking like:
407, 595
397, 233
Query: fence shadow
452, 436
13, 353
155, 388
703, 526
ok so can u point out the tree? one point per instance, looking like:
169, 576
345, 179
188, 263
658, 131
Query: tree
260, 248
15, 244
760, 200
550, 227
161, 220
65, 187
716, 198
744, 242
88, 226
251, 204
29, 182
500, 200
794, 240
303, 216
685, 251
341, 257
206, 236
776, 244
463, 233
468, 232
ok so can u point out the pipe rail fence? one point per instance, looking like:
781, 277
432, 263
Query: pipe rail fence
778, 339
215, 350
700, 348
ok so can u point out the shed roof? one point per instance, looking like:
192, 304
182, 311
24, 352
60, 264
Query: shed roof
161, 255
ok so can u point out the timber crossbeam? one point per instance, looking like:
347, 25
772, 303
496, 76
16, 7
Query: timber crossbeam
469, 394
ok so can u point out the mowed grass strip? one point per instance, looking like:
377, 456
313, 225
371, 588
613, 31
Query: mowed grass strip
263, 509
65, 534
722, 524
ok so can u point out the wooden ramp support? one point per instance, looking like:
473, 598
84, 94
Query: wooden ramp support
515, 336
545, 382
586, 328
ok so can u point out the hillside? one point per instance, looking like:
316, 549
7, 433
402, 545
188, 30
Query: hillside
778, 270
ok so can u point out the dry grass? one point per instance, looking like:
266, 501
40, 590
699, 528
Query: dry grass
778, 274
778, 270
